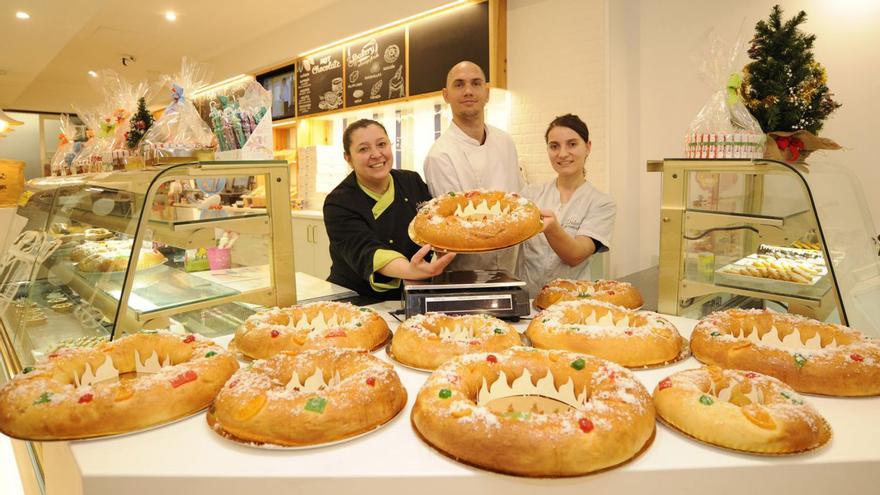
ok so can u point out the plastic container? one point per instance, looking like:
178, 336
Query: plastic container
219, 258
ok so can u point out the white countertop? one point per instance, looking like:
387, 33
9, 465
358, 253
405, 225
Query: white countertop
187, 458
308, 214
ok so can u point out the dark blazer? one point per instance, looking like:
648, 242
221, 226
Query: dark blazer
355, 235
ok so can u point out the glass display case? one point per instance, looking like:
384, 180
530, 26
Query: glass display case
168, 247
758, 233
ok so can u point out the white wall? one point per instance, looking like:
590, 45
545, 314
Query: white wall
656, 91
24, 144
556, 65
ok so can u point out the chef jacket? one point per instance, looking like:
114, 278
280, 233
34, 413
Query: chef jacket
589, 212
367, 231
458, 162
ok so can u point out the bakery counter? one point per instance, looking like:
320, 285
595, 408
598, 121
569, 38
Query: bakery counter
187, 457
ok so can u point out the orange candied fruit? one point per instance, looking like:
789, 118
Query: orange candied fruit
250, 409
759, 416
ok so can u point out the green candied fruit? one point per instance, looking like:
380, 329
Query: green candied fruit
210, 354
44, 398
451, 194
545, 320
358, 324
316, 404
364, 310
499, 331
578, 364
706, 400
793, 400
800, 360
445, 393
583, 294
715, 334
522, 416
27, 369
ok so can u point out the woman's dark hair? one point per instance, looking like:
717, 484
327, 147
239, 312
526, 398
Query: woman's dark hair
571, 121
358, 124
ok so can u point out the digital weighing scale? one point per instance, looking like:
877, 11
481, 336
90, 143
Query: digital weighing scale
467, 292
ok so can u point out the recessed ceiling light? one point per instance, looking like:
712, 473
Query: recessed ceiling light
93, 73
170, 16
22, 15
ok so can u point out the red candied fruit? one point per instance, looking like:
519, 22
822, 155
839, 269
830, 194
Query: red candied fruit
751, 375
275, 333
371, 381
491, 358
189, 339
474, 342
585, 425
336, 333
628, 332
185, 377
85, 398
665, 383
856, 357
53, 355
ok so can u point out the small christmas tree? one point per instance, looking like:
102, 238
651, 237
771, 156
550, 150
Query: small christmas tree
140, 122
785, 88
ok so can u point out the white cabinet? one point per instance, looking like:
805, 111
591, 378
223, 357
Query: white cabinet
311, 246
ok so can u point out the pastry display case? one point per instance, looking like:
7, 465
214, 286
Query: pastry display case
754, 233
167, 247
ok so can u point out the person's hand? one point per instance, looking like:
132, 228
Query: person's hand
421, 269
549, 220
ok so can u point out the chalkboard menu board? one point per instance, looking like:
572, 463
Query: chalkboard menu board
438, 42
376, 68
319, 83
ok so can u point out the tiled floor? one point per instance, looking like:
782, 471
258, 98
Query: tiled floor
10, 483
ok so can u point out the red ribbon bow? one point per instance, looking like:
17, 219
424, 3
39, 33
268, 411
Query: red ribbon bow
792, 144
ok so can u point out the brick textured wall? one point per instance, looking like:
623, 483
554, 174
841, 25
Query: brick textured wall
556, 65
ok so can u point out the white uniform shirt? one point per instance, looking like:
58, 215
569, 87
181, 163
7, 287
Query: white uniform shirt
589, 213
458, 162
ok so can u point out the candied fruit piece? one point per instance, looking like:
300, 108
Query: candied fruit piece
250, 409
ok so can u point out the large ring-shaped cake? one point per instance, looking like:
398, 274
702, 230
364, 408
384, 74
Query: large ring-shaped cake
479, 408
126, 385
627, 337
427, 341
312, 397
611, 291
310, 326
740, 410
475, 221
808, 355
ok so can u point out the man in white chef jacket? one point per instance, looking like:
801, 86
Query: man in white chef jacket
473, 155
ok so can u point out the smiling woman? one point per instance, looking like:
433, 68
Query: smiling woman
578, 218
367, 217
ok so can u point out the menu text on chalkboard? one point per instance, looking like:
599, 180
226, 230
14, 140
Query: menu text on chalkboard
376, 68
319, 83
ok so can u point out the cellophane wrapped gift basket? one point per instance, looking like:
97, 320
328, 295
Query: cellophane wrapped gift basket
724, 127
180, 132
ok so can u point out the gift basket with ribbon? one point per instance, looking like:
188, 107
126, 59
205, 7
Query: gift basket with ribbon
723, 128
68, 148
180, 131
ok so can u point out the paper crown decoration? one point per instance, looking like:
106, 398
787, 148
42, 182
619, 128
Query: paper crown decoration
606, 320
456, 333
523, 386
791, 341
318, 322
108, 371
313, 383
739, 394
482, 208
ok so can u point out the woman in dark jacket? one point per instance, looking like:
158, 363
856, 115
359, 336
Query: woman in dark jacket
367, 216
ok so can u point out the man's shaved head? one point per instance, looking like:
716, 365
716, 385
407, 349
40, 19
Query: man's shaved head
464, 68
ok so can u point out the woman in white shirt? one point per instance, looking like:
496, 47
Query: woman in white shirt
578, 218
